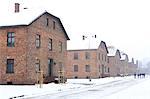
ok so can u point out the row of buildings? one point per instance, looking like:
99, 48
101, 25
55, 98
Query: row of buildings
98, 63
33, 41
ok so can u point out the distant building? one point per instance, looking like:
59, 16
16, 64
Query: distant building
88, 63
124, 64
114, 61
132, 67
31, 41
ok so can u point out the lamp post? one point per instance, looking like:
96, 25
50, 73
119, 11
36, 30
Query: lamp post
89, 38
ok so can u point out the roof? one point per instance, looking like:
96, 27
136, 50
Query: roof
83, 44
102, 42
25, 17
111, 51
124, 56
87, 44
131, 60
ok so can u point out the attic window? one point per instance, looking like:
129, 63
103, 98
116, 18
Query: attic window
47, 22
54, 23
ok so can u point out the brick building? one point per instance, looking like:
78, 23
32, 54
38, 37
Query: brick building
124, 64
132, 67
85, 63
114, 61
31, 41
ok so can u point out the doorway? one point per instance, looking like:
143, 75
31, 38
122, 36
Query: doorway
50, 67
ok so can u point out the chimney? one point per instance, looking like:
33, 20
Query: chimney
17, 7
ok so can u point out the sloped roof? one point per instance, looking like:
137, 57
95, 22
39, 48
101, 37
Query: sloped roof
102, 42
124, 56
25, 18
93, 44
131, 60
111, 51
83, 44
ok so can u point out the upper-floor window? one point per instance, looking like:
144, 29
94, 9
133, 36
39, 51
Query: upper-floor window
54, 25
87, 68
102, 57
105, 58
47, 22
75, 56
10, 39
87, 55
38, 41
75, 68
60, 46
10, 66
50, 44
99, 55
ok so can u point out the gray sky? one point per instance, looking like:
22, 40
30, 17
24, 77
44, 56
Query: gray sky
124, 24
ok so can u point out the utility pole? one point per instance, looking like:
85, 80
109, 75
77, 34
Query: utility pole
89, 38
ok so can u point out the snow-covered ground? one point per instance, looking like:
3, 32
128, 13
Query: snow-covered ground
104, 88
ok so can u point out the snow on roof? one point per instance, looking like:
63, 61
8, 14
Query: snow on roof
24, 17
123, 56
112, 51
131, 60
83, 44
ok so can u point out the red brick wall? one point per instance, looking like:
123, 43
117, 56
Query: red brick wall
25, 52
18, 53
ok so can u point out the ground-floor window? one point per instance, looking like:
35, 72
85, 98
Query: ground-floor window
87, 68
10, 66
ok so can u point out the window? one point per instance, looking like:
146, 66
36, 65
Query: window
76, 56
54, 23
87, 68
75, 68
99, 68
105, 69
60, 46
99, 55
102, 57
87, 55
108, 70
105, 58
47, 22
10, 66
10, 39
50, 44
37, 65
38, 41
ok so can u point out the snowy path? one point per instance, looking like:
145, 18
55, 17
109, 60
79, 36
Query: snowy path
96, 91
104, 88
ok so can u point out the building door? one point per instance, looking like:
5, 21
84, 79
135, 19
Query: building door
50, 67
102, 71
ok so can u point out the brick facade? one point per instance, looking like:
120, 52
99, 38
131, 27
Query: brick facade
114, 64
97, 62
25, 53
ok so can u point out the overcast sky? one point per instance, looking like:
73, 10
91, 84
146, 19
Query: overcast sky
124, 24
